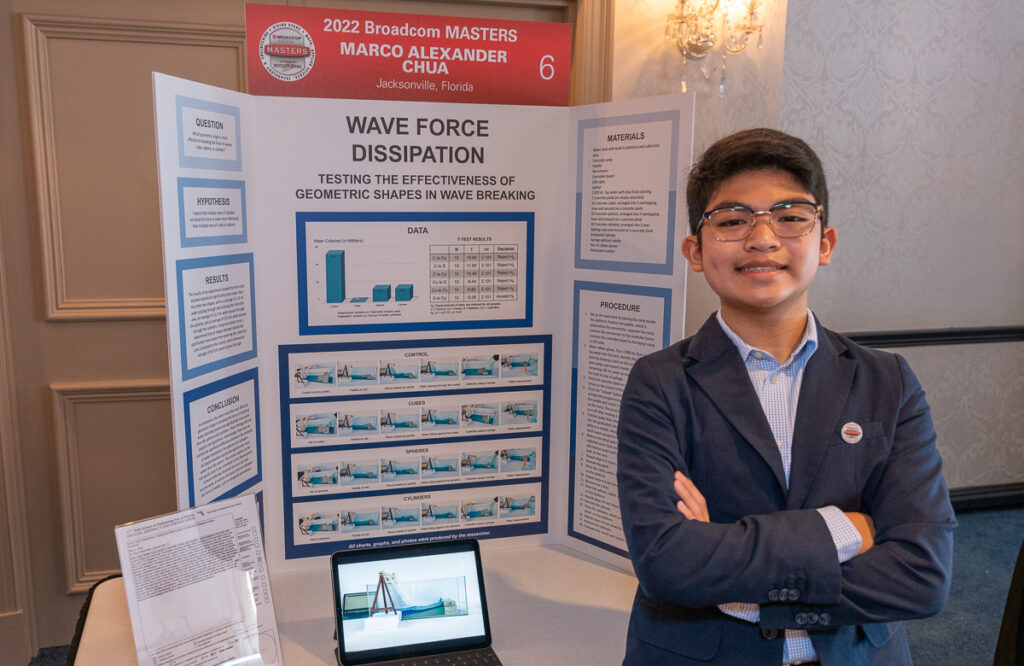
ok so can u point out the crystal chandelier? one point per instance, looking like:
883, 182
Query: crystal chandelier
696, 26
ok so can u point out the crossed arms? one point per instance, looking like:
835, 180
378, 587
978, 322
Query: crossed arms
691, 552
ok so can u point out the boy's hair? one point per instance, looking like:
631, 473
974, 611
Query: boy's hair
752, 150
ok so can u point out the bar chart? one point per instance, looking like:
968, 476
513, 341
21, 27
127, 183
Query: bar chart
335, 284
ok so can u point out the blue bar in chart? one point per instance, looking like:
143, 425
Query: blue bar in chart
403, 292
335, 276
381, 293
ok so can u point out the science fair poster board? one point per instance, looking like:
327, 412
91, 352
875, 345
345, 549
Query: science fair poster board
370, 308
313, 52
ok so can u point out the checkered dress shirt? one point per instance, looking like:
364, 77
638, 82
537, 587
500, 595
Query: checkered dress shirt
778, 388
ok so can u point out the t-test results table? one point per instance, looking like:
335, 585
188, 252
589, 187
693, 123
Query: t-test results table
474, 272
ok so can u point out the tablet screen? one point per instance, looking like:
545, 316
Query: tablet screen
409, 601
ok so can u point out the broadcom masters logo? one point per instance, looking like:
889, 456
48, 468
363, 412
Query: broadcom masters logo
287, 51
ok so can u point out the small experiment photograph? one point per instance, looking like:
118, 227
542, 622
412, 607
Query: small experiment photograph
321, 475
519, 365
439, 514
312, 524
358, 373
403, 371
518, 412
351, 424
409, 601
439, 466
436, 370
395, 517
365, 518
405, 419
440, 418
480, 367
354, 472
399, 469
480, 414
480, 509
512, 507
316, 425
519, 460
479, 462
317, 373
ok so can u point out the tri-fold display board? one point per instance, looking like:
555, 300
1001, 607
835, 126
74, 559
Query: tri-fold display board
408, 321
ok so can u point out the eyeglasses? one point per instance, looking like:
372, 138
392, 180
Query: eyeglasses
787, 220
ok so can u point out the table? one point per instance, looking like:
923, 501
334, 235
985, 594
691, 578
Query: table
465, 273
548, 604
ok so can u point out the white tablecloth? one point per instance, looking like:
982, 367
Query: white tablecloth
548, 605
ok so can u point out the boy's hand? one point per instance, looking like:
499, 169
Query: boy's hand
691, 503
865, 526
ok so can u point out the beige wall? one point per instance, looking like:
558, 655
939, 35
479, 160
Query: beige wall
923, 144
90, 441
921, 130
648, 64
977, 398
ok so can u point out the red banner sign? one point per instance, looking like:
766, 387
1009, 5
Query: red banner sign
311, 52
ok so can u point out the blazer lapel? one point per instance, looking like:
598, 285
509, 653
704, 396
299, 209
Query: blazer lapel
715, 365
826, 385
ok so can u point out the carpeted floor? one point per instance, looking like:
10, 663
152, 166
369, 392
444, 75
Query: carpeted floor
965, 632
51, 656
984, 551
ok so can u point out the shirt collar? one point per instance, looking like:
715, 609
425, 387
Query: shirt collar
808, 341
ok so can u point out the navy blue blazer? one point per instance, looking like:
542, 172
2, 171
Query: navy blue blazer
691, 407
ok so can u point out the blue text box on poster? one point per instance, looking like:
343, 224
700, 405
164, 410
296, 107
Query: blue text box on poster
626, 175
613, 325
216, 312
222, 430
211, 212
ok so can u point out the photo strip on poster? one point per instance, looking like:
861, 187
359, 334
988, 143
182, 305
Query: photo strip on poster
414, 439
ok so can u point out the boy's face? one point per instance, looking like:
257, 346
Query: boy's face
761, 274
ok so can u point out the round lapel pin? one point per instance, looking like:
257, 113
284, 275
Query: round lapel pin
852, 433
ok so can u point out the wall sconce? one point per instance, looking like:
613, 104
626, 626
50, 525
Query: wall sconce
696, 26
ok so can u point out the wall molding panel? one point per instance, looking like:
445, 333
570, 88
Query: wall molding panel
68, 399
17, 615
980, 498
40, 32
939, 336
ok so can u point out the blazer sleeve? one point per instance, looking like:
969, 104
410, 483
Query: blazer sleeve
699, 564
906, 574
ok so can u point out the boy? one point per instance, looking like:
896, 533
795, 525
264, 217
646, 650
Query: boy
781, 493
